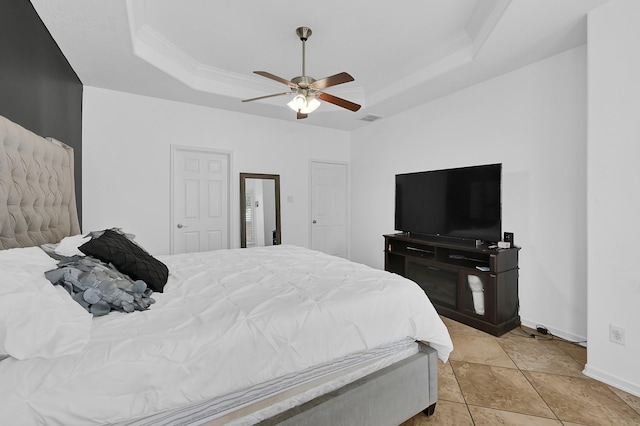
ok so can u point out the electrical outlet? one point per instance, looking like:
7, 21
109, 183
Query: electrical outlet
616, 334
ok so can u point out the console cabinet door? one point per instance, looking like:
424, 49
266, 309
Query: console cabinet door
477, 292
439, 282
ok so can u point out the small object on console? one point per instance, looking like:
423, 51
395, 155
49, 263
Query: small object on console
508, 237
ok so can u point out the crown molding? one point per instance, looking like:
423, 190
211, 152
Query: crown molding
483, 21
151, 46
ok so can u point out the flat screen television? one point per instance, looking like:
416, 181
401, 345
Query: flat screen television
461, 204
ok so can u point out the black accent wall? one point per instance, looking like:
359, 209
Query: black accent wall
38, 88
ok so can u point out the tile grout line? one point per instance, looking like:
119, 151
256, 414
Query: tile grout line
542, 397
466, 404
531, 384
497, 340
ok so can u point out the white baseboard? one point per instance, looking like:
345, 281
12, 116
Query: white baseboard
562, 334
614, 381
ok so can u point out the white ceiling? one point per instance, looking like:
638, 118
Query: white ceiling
400, 53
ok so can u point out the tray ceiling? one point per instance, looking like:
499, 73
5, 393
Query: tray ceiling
401, 54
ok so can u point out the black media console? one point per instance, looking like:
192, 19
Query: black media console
477, 286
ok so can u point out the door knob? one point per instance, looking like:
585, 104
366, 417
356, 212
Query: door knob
314, 221
180, 226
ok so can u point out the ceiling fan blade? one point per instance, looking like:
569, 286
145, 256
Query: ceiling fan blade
300, 115
276, 78
333, 80
338, 101
268, 96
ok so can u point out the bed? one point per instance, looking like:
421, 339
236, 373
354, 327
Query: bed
276, 335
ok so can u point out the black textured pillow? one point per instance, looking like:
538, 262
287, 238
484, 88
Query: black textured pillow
128, 258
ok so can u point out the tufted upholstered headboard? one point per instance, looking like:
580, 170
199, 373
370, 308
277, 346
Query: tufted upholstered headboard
37, 191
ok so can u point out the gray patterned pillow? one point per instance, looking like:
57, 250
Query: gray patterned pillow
98, 287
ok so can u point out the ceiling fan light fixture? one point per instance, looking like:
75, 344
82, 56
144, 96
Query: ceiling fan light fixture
304, 104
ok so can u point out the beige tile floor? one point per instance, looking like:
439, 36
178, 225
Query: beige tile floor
517, 380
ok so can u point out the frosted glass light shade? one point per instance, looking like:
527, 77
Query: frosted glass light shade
297, 103
304, 104
312, 104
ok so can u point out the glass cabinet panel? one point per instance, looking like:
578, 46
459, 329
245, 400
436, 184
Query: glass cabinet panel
440, 284
477, 294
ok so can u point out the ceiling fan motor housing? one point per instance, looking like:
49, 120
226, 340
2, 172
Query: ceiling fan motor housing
303, 81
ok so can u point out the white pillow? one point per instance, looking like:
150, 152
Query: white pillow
69, 245
37, 320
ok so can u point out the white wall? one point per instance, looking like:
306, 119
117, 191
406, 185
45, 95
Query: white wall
614, 192
126, 161
533, 120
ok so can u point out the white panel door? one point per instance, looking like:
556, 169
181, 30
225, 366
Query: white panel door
329, 231
200, 200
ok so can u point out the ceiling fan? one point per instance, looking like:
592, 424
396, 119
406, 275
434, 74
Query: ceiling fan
309, 91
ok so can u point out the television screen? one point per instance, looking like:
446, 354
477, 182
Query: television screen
463, 202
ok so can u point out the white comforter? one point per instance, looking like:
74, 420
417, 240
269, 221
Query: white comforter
227, 320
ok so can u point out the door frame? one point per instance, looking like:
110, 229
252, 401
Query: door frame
348, 204
230, 187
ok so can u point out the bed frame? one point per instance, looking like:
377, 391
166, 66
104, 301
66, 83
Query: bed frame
387, 397
38, 206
